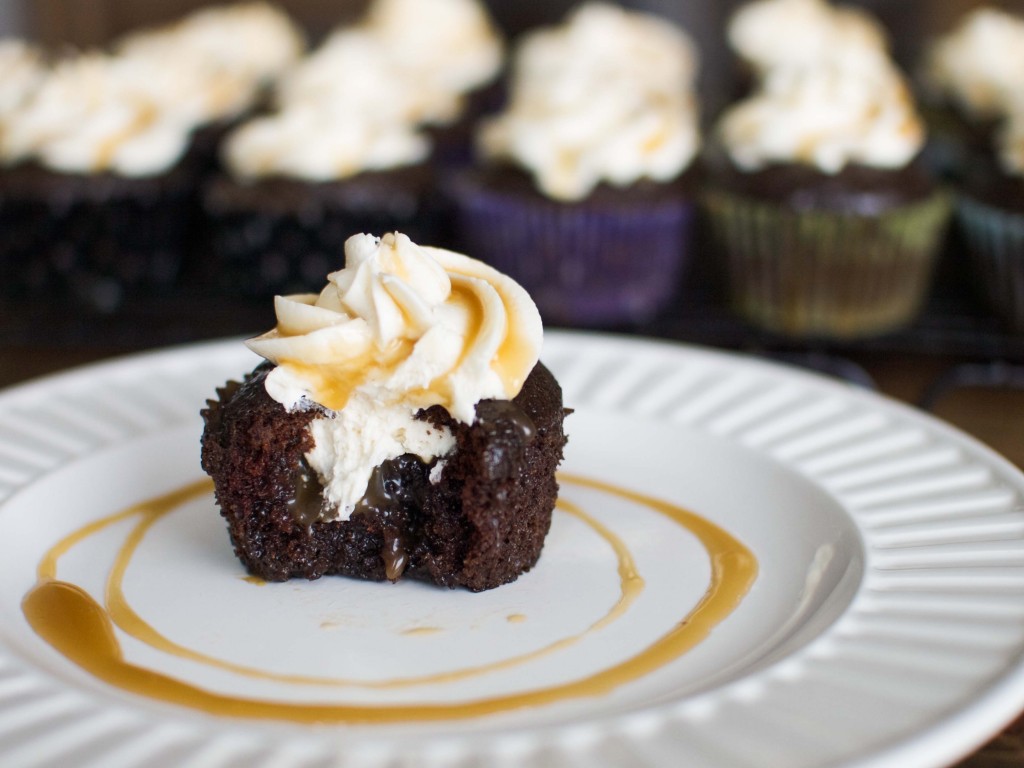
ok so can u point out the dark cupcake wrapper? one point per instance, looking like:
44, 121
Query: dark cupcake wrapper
995, 246
261, 248
583, 264
92, 241
827, 274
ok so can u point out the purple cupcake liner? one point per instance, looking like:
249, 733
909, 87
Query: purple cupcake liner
583, 264
995, 246
827, 274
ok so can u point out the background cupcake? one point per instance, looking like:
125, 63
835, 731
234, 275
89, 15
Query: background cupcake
581, 194
827, 225
95, 195
990, 212
972, 79
445, 52
768, 34
100, 153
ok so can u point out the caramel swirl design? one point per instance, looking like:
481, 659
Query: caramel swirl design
69, 619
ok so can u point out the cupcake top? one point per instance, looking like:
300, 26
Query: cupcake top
447, 45
772, 33
826, 117
252, 41
978, 66
317, 144
96, 113
415, 58
380, 91
22, 68
399, 329
606, 97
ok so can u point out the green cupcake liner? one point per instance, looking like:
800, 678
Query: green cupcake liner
995, 246
827, 274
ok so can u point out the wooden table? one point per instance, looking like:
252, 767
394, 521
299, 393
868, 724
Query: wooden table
994, 416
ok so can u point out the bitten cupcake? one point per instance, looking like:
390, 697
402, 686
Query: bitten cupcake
990, 212
582, 193
827, 225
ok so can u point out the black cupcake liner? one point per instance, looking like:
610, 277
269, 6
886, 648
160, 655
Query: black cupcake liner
285, 236
586, 264
91, 240
995, 245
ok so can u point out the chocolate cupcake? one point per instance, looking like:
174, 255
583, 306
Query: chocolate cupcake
104, 154
990, 213
94, 198
386, 439
826, 225
583, 190
299, 182
971, 79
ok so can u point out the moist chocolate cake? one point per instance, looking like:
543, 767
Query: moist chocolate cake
476, 517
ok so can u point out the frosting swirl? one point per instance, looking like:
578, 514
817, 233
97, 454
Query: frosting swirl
606, 97
400, 328
979, 64
380, 93
251, 41
23, 69
320, 145
448, 46
773, 33
827, 117
97, 113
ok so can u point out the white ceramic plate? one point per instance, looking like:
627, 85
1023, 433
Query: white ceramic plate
885, 627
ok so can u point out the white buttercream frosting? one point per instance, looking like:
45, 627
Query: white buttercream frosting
97, 113
321, 145
401, 328
379, 92
254, 41
22, 69
980, 64
773, 33
605, 97
450, 46
825, 116
132, 113
410, 60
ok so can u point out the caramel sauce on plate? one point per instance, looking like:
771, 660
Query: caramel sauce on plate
73, 623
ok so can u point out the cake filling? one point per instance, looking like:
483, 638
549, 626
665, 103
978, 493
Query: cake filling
400, 329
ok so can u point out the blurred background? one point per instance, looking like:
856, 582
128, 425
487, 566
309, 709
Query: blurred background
85, 23
956, 359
